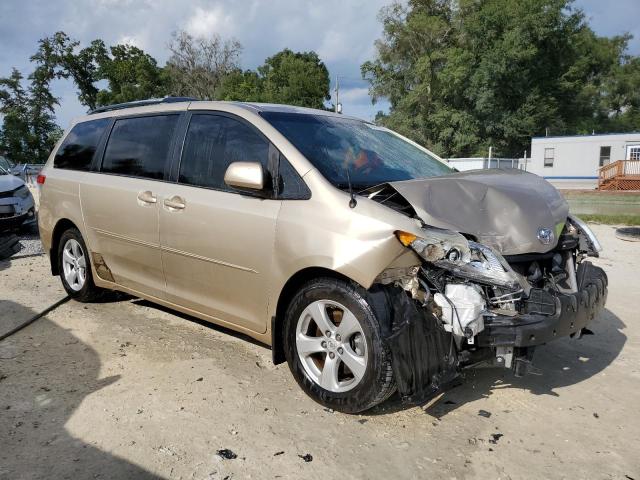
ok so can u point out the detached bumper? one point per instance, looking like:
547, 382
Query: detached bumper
550, 316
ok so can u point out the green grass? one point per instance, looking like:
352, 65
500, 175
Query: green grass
604, 197
611, 219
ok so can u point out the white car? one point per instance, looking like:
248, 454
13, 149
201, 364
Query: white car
17, 207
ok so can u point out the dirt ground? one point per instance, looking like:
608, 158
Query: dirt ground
125, 389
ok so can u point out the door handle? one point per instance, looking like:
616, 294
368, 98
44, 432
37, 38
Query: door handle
175, 203
147, 197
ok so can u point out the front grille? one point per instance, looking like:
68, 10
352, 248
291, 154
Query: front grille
10, 194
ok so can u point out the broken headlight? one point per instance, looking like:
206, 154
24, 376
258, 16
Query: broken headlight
437, 244
22, 192
486, 266
479, 263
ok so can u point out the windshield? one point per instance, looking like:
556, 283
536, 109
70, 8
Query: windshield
5, 165
371, 154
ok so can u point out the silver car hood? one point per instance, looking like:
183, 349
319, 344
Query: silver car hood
8, 183
504, 209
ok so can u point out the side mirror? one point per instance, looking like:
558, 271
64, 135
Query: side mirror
247, 175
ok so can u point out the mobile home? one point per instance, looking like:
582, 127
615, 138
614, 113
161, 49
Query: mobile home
574, 161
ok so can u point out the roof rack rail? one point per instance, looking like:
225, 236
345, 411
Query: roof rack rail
141, 103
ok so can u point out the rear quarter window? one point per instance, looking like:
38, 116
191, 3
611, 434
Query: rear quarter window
79, 147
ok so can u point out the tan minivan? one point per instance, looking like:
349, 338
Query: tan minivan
360, 257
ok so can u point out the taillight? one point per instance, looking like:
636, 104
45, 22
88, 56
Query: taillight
41, 178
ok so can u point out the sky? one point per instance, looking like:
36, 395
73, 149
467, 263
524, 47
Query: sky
342, 32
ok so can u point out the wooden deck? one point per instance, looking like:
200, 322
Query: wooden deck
620, 175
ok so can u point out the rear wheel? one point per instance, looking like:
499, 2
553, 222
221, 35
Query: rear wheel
334, 347
75, 267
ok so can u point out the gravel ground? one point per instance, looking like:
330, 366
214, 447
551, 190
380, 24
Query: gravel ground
30, 245
125, 389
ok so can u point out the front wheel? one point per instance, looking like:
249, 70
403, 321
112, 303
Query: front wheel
334, 348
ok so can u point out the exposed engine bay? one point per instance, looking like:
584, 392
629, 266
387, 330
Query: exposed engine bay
495, 308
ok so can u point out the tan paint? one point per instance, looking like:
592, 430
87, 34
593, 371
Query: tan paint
221, 256
216, 253
124, 229
245, 175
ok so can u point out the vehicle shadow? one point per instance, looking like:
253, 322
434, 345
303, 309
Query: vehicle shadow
5, 264
561, 363
213, 326
45, 374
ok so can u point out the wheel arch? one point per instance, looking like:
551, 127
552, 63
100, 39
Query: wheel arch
62, 226
286, 294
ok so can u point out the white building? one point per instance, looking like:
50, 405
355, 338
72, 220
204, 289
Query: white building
474, 163
574, 161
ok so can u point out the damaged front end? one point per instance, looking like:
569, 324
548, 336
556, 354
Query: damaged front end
468, 306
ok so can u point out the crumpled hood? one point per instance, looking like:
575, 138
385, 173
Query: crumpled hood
504, 209
9, 183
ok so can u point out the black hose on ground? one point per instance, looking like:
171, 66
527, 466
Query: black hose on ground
34, 318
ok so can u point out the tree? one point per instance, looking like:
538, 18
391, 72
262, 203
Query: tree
462, 75
59, 56
28, 131
15, 134
199, 66
622, 98
295, 78
44, 130
245, 86
292, 78
131, 74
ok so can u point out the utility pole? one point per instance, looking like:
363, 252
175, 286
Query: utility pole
338, 107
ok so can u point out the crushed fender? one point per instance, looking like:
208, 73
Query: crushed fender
424, 357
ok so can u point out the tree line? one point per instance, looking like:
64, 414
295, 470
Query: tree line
460, 76
463, 75
204, 68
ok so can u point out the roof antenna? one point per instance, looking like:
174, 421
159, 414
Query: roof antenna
353, 202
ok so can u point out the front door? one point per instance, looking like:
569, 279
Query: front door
217, 243
120, 204
633, 152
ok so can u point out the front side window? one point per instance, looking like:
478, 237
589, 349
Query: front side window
212, 143
605, 156
139, 147
549, 154
343, 148
79, 146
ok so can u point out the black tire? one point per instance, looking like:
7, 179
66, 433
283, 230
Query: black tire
89, 292
378, 383
9, 245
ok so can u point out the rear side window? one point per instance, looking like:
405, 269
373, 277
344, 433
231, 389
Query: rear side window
139, 147
79, 146
214, 142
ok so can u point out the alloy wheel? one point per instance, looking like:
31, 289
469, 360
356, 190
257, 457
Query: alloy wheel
74, 265
331, 346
